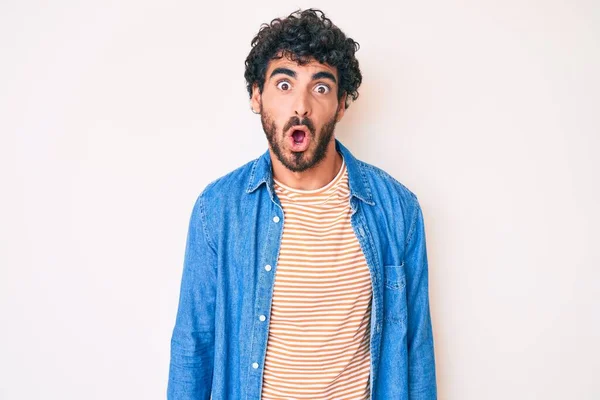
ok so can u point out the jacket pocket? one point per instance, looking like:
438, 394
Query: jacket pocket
394, 293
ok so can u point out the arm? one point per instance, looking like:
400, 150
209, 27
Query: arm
421, 361
192, 343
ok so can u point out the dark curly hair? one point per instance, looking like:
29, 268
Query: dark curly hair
301, 36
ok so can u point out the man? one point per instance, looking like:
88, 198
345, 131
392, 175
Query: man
305, 273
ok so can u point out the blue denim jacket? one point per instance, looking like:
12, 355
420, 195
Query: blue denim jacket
219, 343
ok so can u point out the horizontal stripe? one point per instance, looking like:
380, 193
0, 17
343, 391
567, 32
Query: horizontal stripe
319, 323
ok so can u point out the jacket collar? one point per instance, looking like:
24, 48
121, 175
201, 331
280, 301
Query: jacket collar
262, 173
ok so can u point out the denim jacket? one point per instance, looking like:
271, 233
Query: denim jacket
219, 343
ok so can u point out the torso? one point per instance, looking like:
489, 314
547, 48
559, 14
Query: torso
318, 344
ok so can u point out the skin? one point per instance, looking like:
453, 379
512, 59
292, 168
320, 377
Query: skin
310, 98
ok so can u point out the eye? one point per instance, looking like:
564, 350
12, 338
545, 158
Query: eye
283, 85
322, 88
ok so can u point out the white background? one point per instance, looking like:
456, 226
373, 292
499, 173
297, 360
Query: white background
115, 115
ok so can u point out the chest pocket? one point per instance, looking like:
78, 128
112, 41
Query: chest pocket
394, 293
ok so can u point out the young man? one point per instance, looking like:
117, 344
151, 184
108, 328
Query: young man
305, 273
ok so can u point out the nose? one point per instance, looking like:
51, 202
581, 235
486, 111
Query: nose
302, 106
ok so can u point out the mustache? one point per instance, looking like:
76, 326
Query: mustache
296, 121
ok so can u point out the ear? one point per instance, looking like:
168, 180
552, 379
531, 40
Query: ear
255, 99
341, 107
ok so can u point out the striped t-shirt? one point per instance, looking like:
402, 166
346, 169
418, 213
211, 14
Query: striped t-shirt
318, 345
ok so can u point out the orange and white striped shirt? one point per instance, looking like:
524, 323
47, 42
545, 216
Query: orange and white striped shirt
318, 344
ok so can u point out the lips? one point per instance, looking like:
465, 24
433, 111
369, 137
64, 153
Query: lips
299, 138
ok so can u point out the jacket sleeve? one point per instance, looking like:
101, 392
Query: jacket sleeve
192, 342
421, 360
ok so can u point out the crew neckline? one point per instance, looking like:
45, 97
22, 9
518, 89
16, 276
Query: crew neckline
314, 191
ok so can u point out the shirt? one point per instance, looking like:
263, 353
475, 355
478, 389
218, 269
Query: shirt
318, 346
219, 340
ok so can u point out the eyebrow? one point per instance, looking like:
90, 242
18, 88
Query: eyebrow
318, 75
324, 74
284, 71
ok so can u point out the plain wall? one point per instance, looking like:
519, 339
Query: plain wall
115, 115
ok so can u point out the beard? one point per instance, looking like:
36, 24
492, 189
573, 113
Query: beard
302, 160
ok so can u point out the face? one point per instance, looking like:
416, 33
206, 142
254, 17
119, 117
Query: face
299, 110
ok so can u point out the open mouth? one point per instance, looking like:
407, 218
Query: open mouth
298, 136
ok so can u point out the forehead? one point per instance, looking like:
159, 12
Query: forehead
312, 67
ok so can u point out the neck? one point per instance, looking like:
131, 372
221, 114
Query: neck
313, 178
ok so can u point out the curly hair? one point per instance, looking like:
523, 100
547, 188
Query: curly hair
301, 36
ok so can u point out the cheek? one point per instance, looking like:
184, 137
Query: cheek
325, 117
326, 109
278, 113
275, 108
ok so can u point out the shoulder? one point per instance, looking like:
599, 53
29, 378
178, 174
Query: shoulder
383, 184
221, 197
393, 198
223, 193
231, 185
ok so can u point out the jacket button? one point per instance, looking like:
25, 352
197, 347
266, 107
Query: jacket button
255, 365
267, 267
262, 317
276, 219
